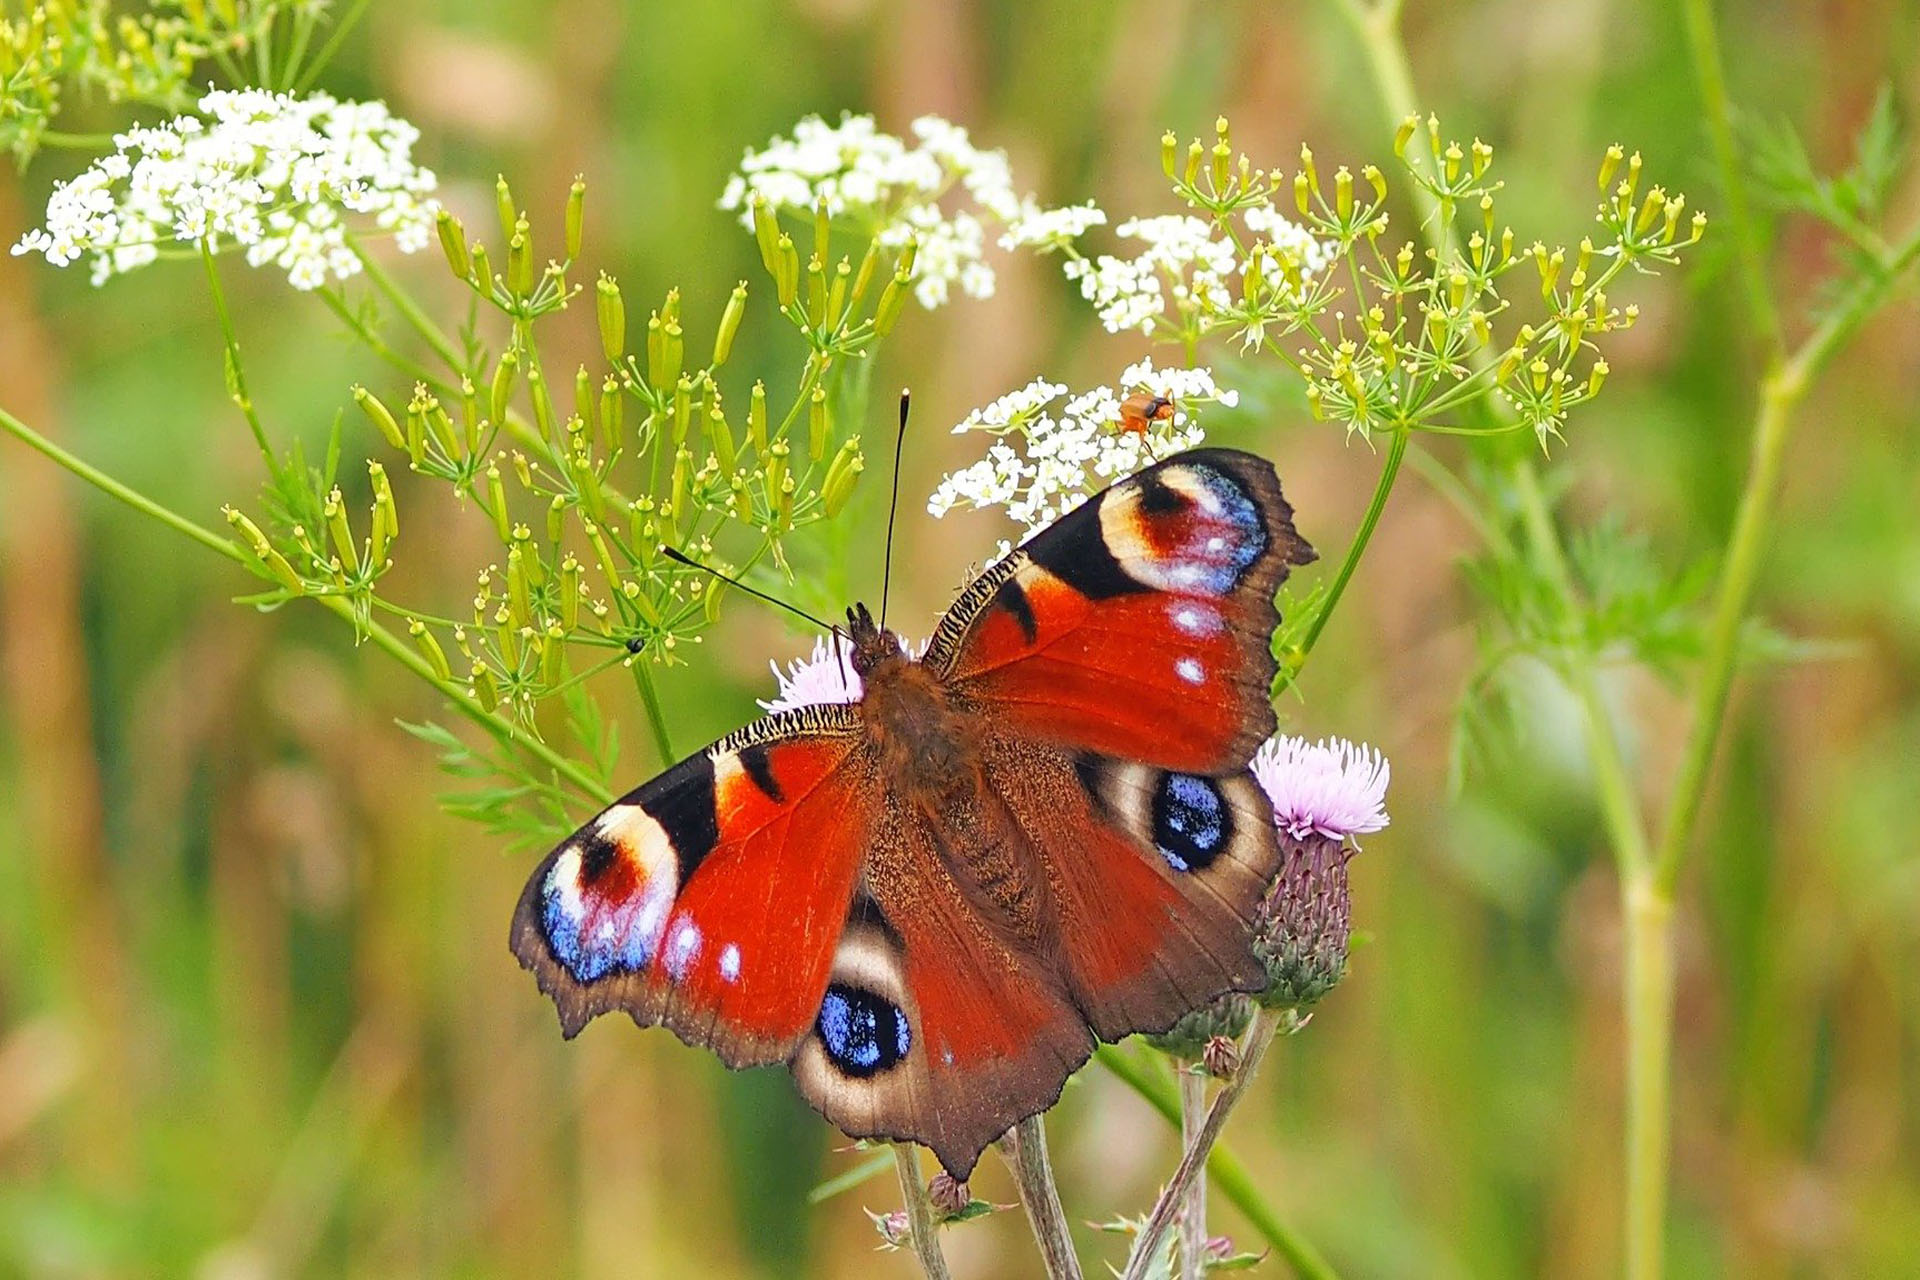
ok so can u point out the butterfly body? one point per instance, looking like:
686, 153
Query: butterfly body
930, 901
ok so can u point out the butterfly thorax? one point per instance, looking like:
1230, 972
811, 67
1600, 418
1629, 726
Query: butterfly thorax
924, 743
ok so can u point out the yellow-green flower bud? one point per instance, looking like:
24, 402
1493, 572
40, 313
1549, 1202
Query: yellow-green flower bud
503, 205
842, 474
1482, 158
837, 291
497, 503
1195, 155
542, 402
775, 470
672, 350
519, 599
612, 314
729, 323
453, 243
1302, 193
335, 511
1343, 193
720, 438
816, 292
863, 279
501, 392
1169, 154
486, 690
386, 516
570, 591
379, 415
891, 299
766, 234
1220, 168
520, 261
817, 423
1610, 164
757, 417
1404, 134
612, 412
482, 267
1595, 377
576, 216
682, 408
822, 229
787, 278
430, 649
276, 564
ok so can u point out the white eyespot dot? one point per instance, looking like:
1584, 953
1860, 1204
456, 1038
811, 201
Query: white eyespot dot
1216, 543
682, 946
1190, 670
946, 1057
730, 962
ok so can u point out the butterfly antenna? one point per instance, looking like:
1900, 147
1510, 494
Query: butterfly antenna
893, 508
682, 558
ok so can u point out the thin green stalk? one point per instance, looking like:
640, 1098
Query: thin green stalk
403, 302
236, 372
1703, 45
1230, 1177
502, 729
132, 497
1647, 913
78, 141
348, 21
1193, 1209
1025, 1147
1753, 519
920, 1221
1389, 472
656, 718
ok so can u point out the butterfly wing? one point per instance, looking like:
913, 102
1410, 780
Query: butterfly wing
1139, 625
940, 1025
712, 898
1154, 878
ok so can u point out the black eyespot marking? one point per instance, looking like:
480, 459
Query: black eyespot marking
1157, 498
864, 1033
1075, 551
1087, 769
681, 801
753, 759
596, 856
1191, 821
1013, 598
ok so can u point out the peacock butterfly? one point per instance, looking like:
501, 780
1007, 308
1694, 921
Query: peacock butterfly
929, 902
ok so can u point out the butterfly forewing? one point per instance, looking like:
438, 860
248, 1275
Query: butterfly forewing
1139, 624
710, 899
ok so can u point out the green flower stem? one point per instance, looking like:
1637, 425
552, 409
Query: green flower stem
656, 719
77, 141
1703, 45
236, 373
1193, 1209
403, 302
348, 21
1025, 1147
1253, 1050
920, 1221
1780, 395
1647, 913
1230, 1177
500, 728
1389, 472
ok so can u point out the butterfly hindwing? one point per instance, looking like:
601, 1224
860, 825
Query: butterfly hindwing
939, 1025
1138, 625
711, 899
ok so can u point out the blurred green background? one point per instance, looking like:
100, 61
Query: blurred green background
257, 1015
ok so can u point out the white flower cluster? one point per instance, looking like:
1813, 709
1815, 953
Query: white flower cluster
1067, 456
1332, 788
895, 191
266, 171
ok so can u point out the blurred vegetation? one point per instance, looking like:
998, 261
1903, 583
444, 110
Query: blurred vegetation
256, 1011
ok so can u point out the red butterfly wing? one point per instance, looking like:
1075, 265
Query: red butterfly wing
940, 1024
711, 899
1139, 624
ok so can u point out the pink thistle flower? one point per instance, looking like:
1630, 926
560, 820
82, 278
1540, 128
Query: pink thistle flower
1331, 787
824, 676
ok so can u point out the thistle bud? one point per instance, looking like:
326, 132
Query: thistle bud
1221, 1057
612, 314
453, 243
729, 323
1187, 1039
379, 415
950, 1196
576, 216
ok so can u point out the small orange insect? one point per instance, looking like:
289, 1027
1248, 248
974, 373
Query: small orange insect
1140, 411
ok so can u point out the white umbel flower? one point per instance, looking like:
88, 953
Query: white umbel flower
1047, 459
268, 172
1331, 788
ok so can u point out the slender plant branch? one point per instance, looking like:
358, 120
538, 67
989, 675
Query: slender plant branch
1709, 73
348, 21
1230, 1177
1025, 1149
1193, 1211
235, 372
499, 727
656, 718
1780, 395
924, 1230
1389, 472
1258, 1039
